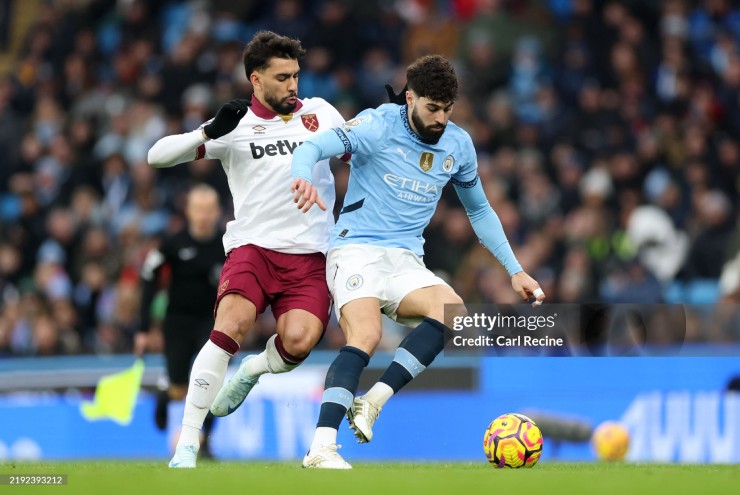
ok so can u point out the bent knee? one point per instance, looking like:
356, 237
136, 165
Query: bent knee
450, 306
235, 315
299, 341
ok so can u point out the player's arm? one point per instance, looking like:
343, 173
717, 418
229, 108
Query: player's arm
180, 148
305, 157
153, 264
489, 230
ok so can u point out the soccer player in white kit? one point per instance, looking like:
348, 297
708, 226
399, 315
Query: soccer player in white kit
403, 155
275, 253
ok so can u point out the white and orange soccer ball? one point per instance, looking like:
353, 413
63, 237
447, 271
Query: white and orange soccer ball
610, 440
512, 441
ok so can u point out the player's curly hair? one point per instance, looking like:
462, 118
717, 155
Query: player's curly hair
266, 45
433, 77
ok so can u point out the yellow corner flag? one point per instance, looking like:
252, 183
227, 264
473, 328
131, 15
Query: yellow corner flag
115, 396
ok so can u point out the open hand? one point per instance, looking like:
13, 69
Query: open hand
305, 195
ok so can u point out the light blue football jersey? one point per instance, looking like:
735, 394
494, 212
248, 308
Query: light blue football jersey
396, 179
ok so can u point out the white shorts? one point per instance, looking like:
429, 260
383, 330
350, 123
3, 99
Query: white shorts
387, 274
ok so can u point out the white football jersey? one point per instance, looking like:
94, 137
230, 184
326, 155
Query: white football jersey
256, 157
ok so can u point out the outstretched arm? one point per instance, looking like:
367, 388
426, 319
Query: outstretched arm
491, 233
305, 156
180, 148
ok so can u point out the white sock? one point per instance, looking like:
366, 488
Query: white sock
379, 394
268, 361
189, 435
206, 379
323, 436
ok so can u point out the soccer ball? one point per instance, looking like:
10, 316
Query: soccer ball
610, 441
512, 441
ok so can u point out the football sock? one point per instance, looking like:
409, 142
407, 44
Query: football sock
206, 379
339, 390
379, 394
324, 436
274, 359
414, 354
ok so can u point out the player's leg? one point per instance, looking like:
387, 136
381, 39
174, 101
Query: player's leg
302, 312
361, 324
418, 349
235, 315
355, 275
200, 331
297, 333
239, 301
301, 308
178, 393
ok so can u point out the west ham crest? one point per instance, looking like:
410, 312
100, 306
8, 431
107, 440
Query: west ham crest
310, 122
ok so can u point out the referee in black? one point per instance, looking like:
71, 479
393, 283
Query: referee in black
193, 257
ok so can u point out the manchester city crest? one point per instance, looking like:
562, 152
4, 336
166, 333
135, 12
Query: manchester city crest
448, 163
354, 282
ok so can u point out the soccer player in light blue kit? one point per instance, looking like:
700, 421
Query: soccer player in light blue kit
402, 157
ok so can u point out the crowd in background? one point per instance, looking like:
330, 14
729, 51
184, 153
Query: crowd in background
607, 138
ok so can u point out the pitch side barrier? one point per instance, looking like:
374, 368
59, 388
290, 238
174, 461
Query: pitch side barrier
28, 374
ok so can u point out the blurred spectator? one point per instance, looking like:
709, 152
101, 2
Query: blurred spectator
607, 135
709, 247
660, 247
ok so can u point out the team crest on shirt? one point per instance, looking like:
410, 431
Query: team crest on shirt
223, 287
354, 122
347, 126
426, 160
354, 282
310, 122
448, 164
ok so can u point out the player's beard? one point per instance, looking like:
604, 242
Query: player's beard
427, 132
281, 105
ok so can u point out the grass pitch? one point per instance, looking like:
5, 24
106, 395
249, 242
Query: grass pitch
261, 478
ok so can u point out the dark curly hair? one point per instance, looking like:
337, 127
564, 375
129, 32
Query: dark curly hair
266, 45
433, 77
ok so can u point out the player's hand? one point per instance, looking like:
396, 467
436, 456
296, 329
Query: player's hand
527, 288
305, 195
227, 118
398, 99
141, 343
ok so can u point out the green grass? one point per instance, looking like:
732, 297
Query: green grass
261, 478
